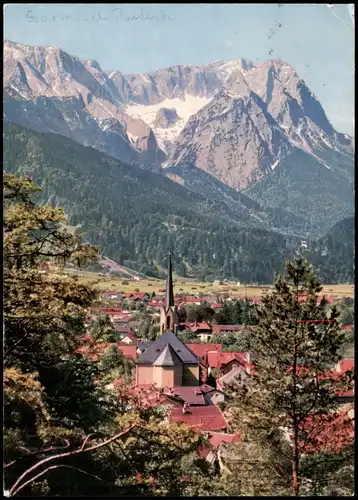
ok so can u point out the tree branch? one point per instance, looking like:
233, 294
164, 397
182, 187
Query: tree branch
51, 448
68, 454
56, 467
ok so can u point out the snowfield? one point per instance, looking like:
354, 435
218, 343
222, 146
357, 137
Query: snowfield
185, 108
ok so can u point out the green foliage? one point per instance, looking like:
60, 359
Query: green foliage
187, 336
65, 428
143, 331
346, 310
286, 388
333, 254
111, 359
43, 313
328, 474
102, 329
130, 212
309, 190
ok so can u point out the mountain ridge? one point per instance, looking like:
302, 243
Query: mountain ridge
255, 127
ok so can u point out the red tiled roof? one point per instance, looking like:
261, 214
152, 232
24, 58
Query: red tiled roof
212, 358
86, 338
134, 294
196, 327
345, 365
217, 359
155, 304
329, 299
328, 432
347, 327
207, 418
334, 376
93, 351
190, 394
131, 335
202, 349
142, 396
129, 351
217, 438
226, 357
204, 450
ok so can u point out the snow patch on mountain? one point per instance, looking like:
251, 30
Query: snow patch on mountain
274, 165
185, 108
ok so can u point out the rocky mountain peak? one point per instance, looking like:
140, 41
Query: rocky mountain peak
166, 117
237, 119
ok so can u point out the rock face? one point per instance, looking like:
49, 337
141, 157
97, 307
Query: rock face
45, 89
234, 139
165, 118
260, 117
236, 120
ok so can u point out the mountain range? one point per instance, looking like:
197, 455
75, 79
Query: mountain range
137, 217
250, 138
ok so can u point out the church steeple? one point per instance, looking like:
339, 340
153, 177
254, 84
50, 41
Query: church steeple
169, 295
169, 319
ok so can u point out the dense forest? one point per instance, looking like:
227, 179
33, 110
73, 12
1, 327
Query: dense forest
319, 194
137, 217
333, 254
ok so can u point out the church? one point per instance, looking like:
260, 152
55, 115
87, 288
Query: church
167, 362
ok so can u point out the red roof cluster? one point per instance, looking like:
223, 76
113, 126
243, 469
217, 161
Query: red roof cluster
345, 365
197, 326
328, 432
131, 335
215, 440
208, 418
93, 350
202, 349
337, 376
154, 304
139, 295
128, 351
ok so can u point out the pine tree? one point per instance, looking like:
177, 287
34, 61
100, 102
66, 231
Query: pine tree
237, 313
290, 388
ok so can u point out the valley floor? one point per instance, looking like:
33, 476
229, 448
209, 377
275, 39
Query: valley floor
182, 285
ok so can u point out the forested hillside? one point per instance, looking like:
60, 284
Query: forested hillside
137, 216
333, 254
320, 194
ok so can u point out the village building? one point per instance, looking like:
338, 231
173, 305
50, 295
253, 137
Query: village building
202, 329
216, 440
208, 418
167, 362
129, 338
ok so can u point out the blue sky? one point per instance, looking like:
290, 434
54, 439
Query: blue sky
316, 40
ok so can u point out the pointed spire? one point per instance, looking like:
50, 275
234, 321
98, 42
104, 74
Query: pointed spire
169, 295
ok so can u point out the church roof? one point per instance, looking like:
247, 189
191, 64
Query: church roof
167, 357
150, 355
169, 295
